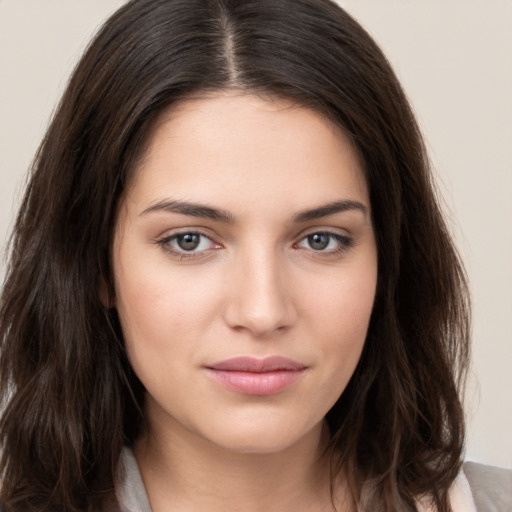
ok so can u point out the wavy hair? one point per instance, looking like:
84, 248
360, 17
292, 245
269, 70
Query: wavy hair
69, 398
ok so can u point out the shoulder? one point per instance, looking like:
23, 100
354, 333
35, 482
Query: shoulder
491, 487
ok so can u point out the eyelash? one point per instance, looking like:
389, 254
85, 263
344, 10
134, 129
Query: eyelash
182, 254
344, 243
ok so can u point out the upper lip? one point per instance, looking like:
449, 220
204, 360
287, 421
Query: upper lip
256, 365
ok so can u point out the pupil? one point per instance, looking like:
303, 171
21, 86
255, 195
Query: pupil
318, 241
188, 242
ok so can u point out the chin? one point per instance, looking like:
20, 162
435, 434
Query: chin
264, 439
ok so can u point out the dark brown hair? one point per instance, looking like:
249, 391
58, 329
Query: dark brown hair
70, 399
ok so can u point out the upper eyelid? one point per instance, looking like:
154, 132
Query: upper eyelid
189, 232
164, 242
171, 233
335, 231
337, 236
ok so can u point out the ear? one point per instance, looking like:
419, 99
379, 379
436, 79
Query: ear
106, 294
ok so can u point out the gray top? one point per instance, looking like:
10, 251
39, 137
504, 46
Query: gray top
131, 493
491, 487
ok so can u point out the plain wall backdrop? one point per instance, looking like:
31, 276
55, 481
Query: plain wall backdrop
454, 58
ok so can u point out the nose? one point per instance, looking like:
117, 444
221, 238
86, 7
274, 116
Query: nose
259, 298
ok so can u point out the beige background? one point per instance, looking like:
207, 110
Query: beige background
454, 58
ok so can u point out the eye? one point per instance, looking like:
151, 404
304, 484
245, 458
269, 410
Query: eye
326, 242
187, 243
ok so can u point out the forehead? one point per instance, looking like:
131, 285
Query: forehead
237, 146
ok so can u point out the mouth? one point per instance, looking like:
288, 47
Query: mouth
258, 377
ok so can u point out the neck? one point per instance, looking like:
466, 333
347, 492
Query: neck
190, 473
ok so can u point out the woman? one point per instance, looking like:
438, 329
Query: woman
230, 284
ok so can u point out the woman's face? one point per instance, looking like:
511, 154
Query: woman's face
245, 271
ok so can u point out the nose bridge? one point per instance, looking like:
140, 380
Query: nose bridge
260, 300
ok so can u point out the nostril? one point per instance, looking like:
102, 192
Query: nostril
260, 324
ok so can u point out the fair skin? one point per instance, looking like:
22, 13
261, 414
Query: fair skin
245, 233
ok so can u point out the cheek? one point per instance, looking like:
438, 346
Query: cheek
339, 312
342, 302
163, 312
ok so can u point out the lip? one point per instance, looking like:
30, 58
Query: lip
258, 377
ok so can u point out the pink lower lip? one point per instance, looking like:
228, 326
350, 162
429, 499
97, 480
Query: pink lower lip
256, 383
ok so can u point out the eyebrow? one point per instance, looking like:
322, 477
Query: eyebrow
192, 209
330, 209
203, 211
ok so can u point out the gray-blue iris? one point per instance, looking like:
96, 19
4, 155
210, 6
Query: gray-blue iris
318, 241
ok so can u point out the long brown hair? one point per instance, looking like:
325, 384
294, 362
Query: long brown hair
69, 397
